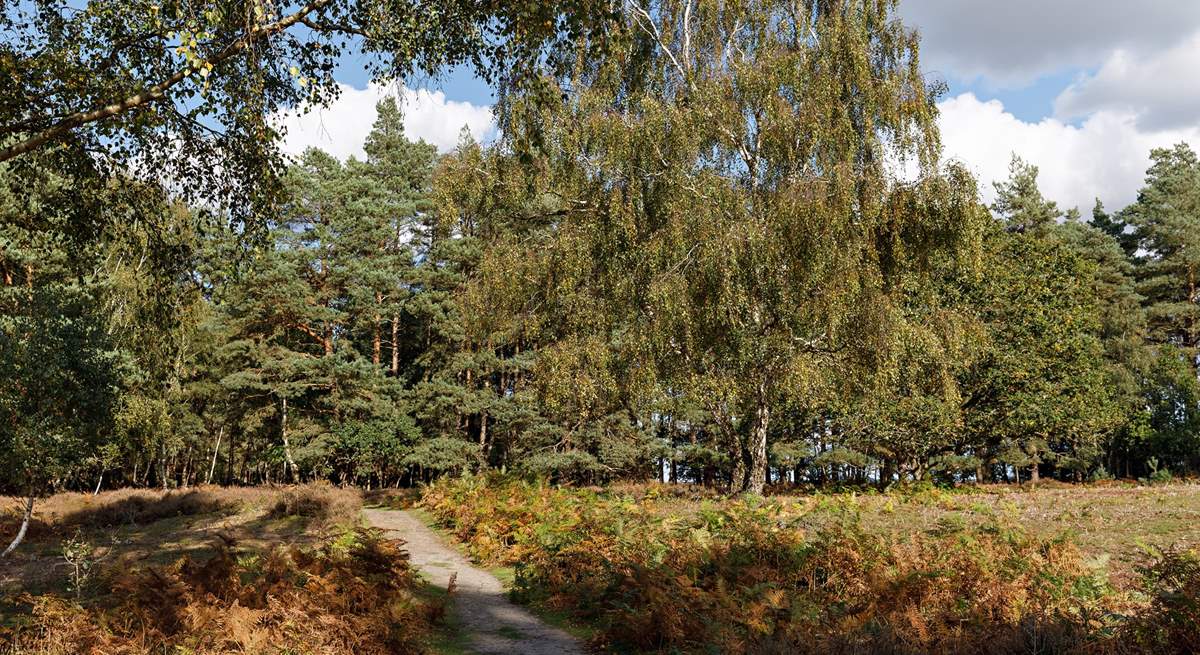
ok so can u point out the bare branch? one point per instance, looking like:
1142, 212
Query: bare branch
644, 19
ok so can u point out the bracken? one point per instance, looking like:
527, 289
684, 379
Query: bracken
355, 595
746, 576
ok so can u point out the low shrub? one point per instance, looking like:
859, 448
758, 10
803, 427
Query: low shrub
141, 506
338, 599
69, 511
321, 502
392, 498
1171, 624
746, 576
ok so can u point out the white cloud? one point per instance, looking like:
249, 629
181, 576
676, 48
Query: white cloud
1105, 157
1162, 90
341, 128
1012, 42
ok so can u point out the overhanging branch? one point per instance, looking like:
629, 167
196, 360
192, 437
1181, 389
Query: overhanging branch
158, 91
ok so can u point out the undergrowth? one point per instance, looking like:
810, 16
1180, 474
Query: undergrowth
756, 576
63, 513
323, 503
352, 595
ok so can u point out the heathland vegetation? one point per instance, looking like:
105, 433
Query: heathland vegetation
715, 245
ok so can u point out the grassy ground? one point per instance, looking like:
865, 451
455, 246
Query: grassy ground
1115, 522
147, 527
211, 570
1118, 527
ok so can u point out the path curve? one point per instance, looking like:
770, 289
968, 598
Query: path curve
495, 625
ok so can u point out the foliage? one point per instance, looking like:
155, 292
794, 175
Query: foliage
81, 556
700, 248
1172, 624
750, 576
187, 93
61, 390
725, 252
333, 599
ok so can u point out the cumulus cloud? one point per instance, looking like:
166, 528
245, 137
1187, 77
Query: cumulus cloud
1135, 87
341, 128
1013, 42
1162, 90
1104, 157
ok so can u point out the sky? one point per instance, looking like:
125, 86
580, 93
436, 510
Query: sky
1083, 89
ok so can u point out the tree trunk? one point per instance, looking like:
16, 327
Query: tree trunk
287, 447
395, 345
886, 472
24, 527
464, 420
229, 463
756, 450
98, 483
483, 433
740, 478
1192, 336
216, 449
377, 338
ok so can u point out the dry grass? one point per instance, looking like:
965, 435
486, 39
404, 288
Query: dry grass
1112, 523
323, 503
144, 526
283, 570
392, 498
662, 569
355, 595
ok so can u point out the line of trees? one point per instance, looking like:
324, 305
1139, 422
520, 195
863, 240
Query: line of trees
727, 252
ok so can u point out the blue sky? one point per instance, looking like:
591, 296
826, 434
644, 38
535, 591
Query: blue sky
1081, 88
1031, 102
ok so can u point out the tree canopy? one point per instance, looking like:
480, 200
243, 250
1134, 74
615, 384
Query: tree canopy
728, 251
189, 92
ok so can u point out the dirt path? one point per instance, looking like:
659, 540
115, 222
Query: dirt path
494, 624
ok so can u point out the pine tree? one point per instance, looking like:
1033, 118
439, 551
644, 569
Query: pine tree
1038, 393
1166, 218
1116, 227
1019, 201
403, 171
1123, 328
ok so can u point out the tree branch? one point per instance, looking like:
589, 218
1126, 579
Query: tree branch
158, 91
